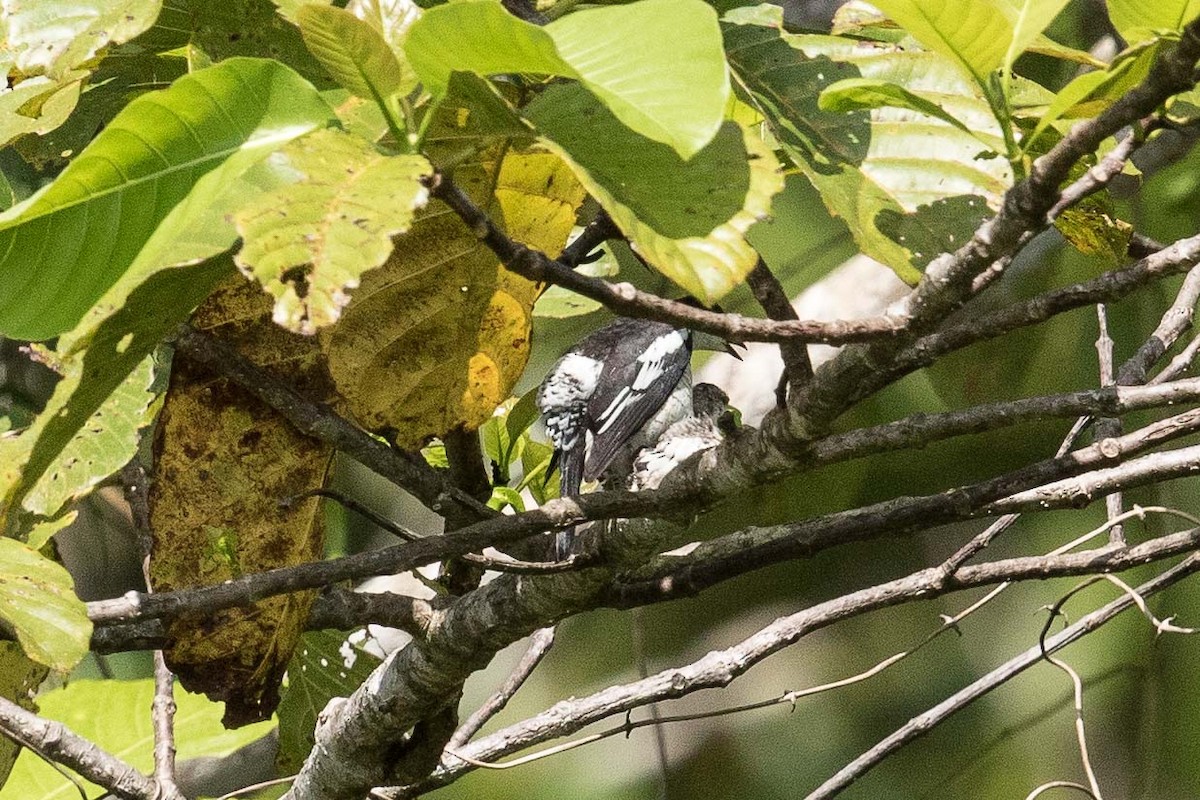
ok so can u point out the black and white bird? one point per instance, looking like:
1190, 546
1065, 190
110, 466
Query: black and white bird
702, 430
613, 394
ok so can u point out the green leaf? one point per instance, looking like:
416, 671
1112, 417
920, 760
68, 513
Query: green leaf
98, 449
325, 665
115, 715
686, 218
309, 242
503, 497
523, 414
908, 186
39, 607
231, 28
103, 445
675, 95
1141, 20
123, 328
1030, 18
354, 52
392, 18
975, 34
139, 183
857, 94
1092, 92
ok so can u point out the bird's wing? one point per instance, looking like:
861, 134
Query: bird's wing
636, 390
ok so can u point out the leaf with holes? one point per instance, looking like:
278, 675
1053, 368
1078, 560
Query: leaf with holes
325, 665
39, 607
103, 445
48, 49
437, 337
310, 241
165, 157
223, 462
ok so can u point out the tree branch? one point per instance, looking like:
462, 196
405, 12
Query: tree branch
797, 366
59, 743
668, 577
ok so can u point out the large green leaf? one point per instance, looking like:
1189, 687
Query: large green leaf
116, 335
39, 607
68, 244
1092, 92
324, 665
116, 715
687, 218
309, 242
1140, 20
673, 94
908, 185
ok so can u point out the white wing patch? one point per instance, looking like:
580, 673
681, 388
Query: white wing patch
652, 366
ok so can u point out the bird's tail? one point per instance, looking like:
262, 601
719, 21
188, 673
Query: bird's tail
571, 475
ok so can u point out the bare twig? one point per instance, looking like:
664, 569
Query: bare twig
719, 668
624, 298
925, 722
539, 645
162, 709
1107, 168
769, 292
717, 560
1108, 427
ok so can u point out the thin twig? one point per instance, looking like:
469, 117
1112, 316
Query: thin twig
162, 710
624, 298
1108, 427
925, 722
797, 366
719, 668
504, 564
539, 645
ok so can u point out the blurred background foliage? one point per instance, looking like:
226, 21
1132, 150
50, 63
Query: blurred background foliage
1142, 713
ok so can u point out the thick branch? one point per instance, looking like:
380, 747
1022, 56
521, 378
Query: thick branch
914, 431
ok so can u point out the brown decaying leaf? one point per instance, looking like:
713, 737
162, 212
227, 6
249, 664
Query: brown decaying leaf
437, 337
223, 462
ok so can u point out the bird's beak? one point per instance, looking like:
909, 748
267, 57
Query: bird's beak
735, 349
